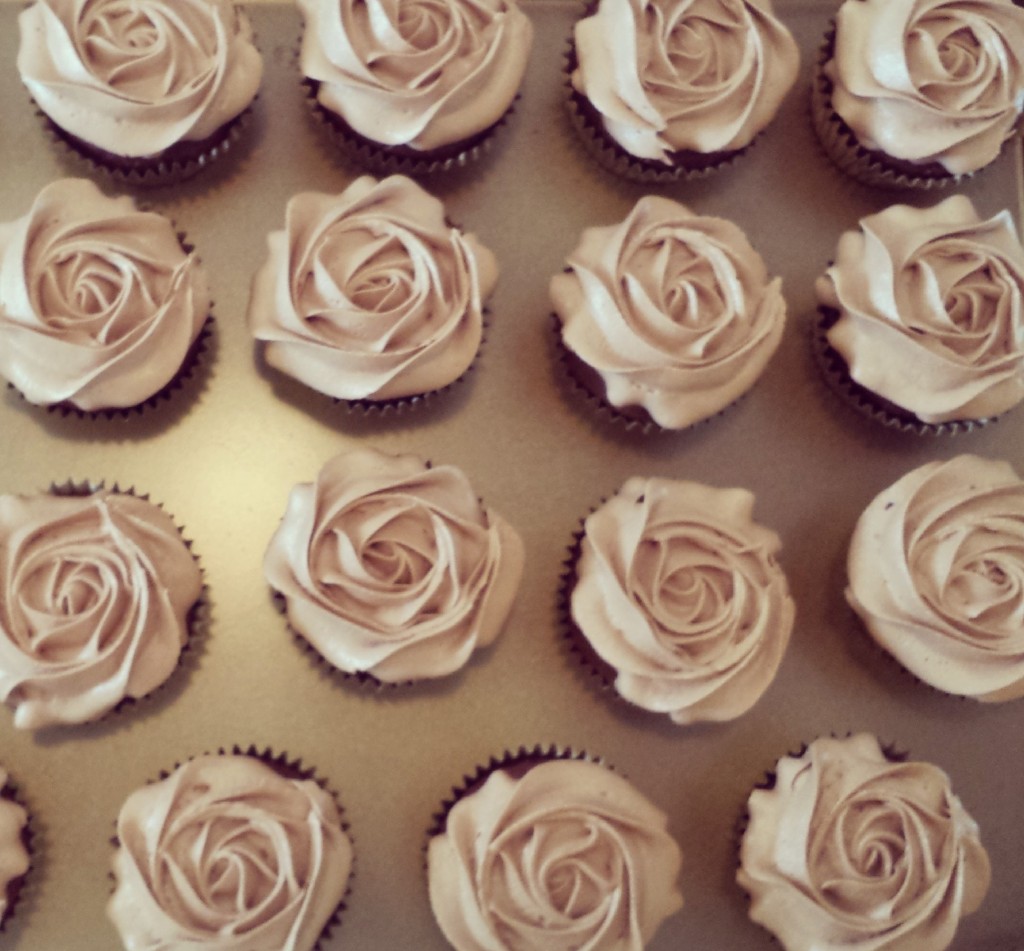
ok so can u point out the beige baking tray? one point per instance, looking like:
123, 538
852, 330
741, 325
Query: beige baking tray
224, 452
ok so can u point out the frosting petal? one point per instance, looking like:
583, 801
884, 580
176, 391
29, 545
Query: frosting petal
14, 857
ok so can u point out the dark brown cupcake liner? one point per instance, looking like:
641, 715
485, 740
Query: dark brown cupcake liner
17, 886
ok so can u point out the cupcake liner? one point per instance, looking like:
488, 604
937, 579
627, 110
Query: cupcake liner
16, 887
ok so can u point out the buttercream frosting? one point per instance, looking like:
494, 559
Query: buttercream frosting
930, 306
668, 76
371, 294
99, 303
226, 853
936, 572
674, 310
94, 604
680, 592
567, 856
930, 80
14, 857
392, 567
417, 74
850, 851
134, 77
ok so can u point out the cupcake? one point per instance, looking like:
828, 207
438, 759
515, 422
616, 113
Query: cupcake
667, 89
848, 847
150, 93
238, 852
410, 87
667, 317
547, 852
919, 93
935, 567
371, 295
923, 317
14, 855
392, 568
101, 306
680, 600
95, 610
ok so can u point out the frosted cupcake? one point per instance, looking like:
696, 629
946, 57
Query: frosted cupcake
919, 93
668, 316
923, 317
151, 92
371, 295
665, 89
14, 854
847, 846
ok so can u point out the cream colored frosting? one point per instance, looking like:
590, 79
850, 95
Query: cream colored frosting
416, 74
849, 851
227, 854
393, 567
569, 856
674, 310
370, 294
936, 572
96, 593
930, 80
684, 75
679, 590
135, 78
99, 304
14, 858
931, 309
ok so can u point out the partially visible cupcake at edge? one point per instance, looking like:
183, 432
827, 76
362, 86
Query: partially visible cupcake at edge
667, 317
101, 306
371, 295
665, 89
14, 854
412, 86
919, 93
922, 317
152, 91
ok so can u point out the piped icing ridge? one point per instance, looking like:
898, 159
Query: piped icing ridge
930, 306
936, 573
371, 294
226, 853
851, 851
99, 302
566, 855
135, 79
392, 567
14, 857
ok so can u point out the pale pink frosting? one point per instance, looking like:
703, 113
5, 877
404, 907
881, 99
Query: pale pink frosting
14, 858
416, 73
371, 294
99, 303
134, 78
930, 80
931, 309
567, 857
94, 603
849, 851
674, 310
227, 854
679, 590
684, 75
393, 567
936, 572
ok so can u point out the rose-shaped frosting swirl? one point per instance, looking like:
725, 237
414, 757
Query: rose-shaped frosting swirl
930, 80
134, 77
674, 310
392, 567
567, 857
684, 75
227, 854
680, 592
931, 309
14, 858
850, 851
936, 572
370, 294
416, 73
99, 303
94, 604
